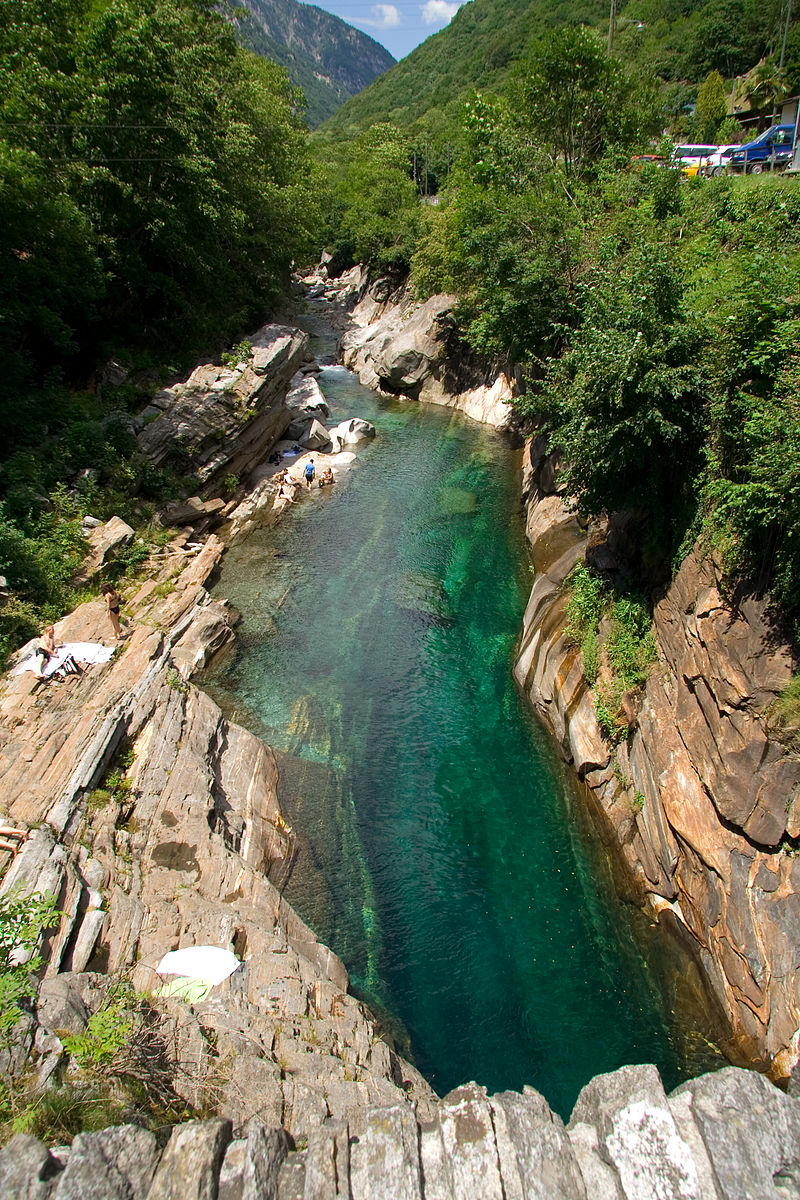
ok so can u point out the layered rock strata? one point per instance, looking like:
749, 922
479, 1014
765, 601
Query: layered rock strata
222, 420
400, 346
727, 1136
154, 821
701, 797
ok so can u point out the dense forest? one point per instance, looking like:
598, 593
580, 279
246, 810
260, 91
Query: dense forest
157, 182
678, 41
153, 193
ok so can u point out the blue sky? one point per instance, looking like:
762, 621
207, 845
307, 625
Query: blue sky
399, 25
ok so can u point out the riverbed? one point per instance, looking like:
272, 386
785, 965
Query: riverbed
442, 847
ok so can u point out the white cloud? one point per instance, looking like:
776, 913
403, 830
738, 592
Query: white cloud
384, 16
439, 12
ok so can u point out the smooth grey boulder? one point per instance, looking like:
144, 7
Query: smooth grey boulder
117, 1164
638, 1136
751, 1131
534, 1148
190, 1165
350, 433
60, 1004
27, 1169
384, 1158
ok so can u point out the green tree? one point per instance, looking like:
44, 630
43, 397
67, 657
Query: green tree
711, 105
505, 239
577, 100
381, 211
626, 401
23, 919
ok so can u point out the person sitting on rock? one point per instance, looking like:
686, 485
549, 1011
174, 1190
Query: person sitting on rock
309, 474
45, 649
326, 478
285, 483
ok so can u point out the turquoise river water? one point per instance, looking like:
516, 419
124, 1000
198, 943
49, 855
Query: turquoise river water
443, 852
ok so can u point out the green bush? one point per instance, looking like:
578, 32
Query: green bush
587, 602
630, 642
785, 713
23, 920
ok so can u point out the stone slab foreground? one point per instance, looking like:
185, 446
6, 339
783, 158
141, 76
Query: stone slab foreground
731, 1135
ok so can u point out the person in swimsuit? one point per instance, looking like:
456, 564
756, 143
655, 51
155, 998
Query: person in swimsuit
46, 648
113, 603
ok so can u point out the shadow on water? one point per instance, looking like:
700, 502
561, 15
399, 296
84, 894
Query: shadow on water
442, 850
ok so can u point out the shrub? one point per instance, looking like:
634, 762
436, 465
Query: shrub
630, 644
587, 602
23, 919
785, 713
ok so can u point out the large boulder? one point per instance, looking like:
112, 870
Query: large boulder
317, 437
350, 433
104, 542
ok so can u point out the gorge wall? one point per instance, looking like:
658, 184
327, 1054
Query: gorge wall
700, 800
192, 847
309, 1101
700, 803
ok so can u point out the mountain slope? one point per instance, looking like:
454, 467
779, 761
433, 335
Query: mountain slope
329, 59
678, 39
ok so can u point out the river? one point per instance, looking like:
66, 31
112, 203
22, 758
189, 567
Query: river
443, 850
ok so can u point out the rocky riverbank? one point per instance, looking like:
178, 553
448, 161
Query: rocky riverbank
700, 801
727, 1136
400, 347
154, 822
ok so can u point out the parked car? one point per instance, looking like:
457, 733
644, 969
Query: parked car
774, 143
717, 163
690, 157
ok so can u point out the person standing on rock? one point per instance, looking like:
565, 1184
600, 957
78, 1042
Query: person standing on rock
113, 603
309, 473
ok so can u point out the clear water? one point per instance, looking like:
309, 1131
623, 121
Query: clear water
441, 852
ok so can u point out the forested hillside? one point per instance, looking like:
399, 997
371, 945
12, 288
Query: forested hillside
679, 40
654, 320
323, 55
153, 192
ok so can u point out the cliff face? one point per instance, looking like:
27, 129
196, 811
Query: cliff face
329, 59
192, 847
400, 346
705, 846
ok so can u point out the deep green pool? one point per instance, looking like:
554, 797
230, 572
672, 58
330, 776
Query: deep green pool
442, 853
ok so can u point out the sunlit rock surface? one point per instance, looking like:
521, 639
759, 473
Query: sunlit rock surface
720, 792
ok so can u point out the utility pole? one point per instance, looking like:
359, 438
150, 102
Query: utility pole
612, 20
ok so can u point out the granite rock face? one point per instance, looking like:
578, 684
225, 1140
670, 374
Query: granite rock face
193, 851
401, 347
222, 420
704, 848
728, 1136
